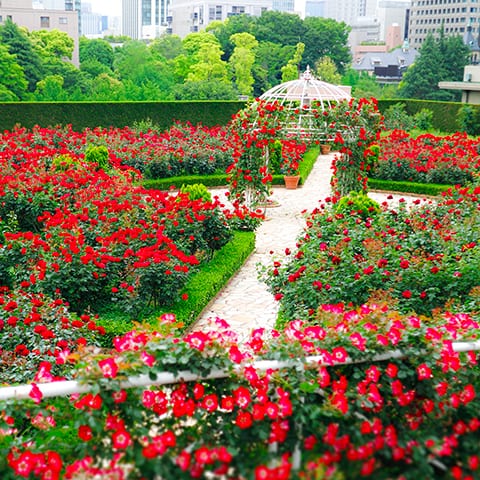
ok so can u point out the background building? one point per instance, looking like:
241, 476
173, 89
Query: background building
23, 14
186, 16
457, 17
92, 23
144, 19
315, 8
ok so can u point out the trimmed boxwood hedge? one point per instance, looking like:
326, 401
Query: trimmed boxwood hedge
431, 189
220, 179
116, 114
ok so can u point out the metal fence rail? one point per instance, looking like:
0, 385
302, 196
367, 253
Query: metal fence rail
69, 387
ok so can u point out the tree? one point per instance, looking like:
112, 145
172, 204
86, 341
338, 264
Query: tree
365, 85
267, 69
223, 31
13, 84
130, 59
204, 90
432, 66
50, 89
279, 27
94, 68
19, 44
455, 56
166, 47
52, 44
242, 60
106, 88
326, 70
206, 58
290, 70
96, 50
326, 37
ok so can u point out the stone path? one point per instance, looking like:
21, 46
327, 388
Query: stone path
245, 302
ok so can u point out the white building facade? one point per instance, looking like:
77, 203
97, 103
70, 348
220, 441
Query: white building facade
187, 16
144, 19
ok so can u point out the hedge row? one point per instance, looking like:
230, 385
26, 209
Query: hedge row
444, 113
83, 115
163, 114
407, 187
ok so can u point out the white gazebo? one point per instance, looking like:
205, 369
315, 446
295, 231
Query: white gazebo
297, 97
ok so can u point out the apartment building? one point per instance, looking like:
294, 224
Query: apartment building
186, 16
23, 13
458, 17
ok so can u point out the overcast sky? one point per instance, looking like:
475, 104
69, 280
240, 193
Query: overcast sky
106, 7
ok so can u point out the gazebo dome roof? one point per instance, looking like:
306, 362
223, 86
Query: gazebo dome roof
304, 90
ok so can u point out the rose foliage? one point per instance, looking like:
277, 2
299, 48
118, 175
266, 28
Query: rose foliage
94, 237
452, 159
365, 392
418, 258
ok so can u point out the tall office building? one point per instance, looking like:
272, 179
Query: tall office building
144, 19
458, 17
349, 11
315, 8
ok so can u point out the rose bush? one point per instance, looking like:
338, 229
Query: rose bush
451, 159
354, 127
418, 259
364, 392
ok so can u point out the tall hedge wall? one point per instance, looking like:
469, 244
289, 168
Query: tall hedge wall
115, 114
444, 113
119, 114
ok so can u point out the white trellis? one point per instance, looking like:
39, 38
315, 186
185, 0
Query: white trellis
69, 387
300, 96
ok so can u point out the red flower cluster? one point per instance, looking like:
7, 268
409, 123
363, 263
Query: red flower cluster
452, 159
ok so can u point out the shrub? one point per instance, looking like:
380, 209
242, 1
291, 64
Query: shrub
365, 392
37, 331
196, 191
418, 260
468, 119
396, 118
423, 119
357, 203
98, 154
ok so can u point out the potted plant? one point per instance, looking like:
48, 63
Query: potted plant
292, 152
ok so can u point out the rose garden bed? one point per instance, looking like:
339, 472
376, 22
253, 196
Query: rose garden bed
365, 377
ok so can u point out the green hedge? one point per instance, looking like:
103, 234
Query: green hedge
115, 114
201, 288
444, 113
407, 187
120, 114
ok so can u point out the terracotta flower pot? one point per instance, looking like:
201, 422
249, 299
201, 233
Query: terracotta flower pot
325, 148
291, 181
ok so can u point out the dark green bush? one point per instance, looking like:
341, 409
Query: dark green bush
423, 119
468, 119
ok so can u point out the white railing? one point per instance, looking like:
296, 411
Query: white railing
69, 387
